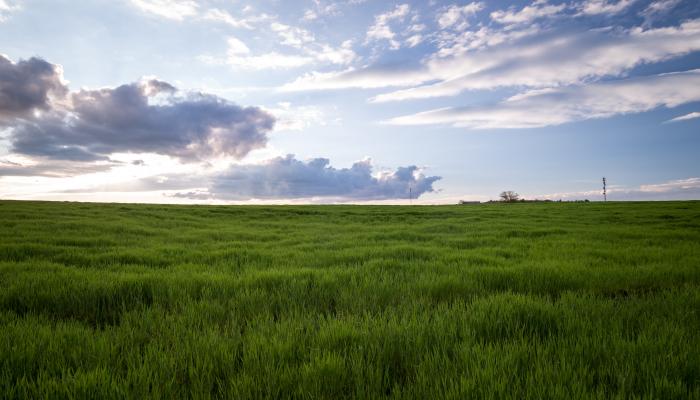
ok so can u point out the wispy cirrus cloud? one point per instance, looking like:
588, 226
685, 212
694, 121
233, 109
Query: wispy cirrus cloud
555, 106
519, 58
172, 9
528, 14
306, 51
246, 22
692, 115
553, 59
598, 7
677, 189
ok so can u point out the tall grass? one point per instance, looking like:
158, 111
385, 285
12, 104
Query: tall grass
516, 301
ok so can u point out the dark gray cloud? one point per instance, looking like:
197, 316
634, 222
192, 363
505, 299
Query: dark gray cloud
26, 86
148, 116
287, 178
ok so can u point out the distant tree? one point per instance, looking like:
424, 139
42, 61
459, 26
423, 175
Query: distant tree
509, 196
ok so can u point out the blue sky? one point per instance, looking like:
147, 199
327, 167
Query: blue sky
348, 101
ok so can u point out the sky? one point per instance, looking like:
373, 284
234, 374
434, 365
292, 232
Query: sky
348, 101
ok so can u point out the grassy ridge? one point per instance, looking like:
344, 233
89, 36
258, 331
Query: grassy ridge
490, 301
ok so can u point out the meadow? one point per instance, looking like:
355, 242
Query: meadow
502, 301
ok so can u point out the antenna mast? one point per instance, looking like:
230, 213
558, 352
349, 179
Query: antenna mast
605, 192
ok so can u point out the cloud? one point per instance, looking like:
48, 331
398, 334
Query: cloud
27, 86
527, 57
271, 60
554, 59
597, 7
381, 30
322, 10
660, 6
377, 76
679, 189
308, 52
457, 44
342, 55
51, 168
414, 40
236, 47
675, 185
291, 35
289, 178
310, 15
685, 117
146, 116
546, 107
657, 9
528, 14
457, 17
171, 9
297, 118
7, 7
225, 17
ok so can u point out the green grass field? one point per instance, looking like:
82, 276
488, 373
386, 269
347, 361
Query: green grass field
558, 300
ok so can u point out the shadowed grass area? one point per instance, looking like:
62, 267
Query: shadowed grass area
556, 300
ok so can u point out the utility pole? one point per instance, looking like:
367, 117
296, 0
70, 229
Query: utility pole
605, 192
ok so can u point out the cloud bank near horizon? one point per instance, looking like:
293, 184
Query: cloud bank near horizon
288, 177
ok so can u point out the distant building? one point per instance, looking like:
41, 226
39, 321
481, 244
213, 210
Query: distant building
463, 202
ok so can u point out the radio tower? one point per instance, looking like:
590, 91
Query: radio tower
605, 193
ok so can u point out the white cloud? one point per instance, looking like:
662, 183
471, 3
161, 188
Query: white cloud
660, 6
538, 9
545, 107
292, 36
223, 16
321, 10
452, 44
596, 7
685, 117
417, 28
657, 9
679, 189
381, 30
683, 184
171, 9
8, 7
342, 55
271, 60
458, 17
553, 60
311, 53
414, 40
296, 118
354, 78
236, 47
305, 50
309, 15
487, 59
